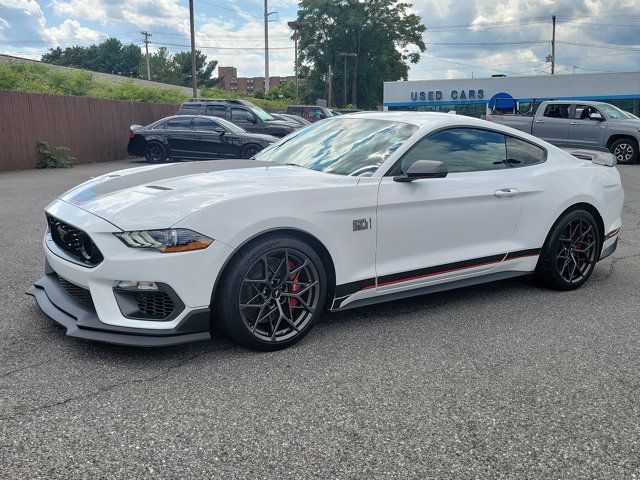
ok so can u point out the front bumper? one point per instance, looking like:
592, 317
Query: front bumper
82, 321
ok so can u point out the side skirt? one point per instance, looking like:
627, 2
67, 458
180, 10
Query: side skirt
441, 287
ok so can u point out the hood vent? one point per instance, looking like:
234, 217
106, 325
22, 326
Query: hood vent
158, 187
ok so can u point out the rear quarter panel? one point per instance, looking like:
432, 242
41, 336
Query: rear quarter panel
560, 183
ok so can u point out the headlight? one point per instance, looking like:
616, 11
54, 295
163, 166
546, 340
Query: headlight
166, 241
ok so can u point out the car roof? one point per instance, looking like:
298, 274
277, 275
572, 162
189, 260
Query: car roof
414, 118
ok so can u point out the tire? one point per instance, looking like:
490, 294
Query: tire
625, 150
276, 314
570, 252
249, 151
155, 152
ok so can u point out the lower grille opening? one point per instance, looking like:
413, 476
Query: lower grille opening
160, 305
79, 293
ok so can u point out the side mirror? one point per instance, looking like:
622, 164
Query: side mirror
596, 116
253, 120
220, 130
423, 169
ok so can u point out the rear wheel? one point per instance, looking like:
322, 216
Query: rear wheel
154, 152
570, 253
272, 293
249, 151
625, 150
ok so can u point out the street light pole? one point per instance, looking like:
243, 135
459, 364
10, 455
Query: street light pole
193, 51
296, 27
346, 55
266, 47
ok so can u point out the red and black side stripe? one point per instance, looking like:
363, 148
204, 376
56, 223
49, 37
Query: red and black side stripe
347, 289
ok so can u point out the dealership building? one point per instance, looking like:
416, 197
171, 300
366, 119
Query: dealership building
478, 96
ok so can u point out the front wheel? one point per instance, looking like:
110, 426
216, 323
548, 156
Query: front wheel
625, 150
249, 151
570, 252
272, 293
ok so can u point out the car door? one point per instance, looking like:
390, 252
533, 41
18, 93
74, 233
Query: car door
180, 137
212, 140
442, 228
246, 119
553, 125
583, 131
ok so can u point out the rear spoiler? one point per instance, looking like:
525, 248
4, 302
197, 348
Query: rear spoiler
600, 156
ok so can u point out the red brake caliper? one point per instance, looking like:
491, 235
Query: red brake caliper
295, 286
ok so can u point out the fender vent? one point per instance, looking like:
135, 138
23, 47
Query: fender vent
158, 187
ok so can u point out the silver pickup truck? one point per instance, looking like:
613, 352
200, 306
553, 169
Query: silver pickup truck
581, 124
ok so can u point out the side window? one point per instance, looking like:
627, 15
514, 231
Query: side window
316, 113
204, 124
240, 115
522, 154
160, 126
179, 123
190, 108
583, 112
215, 110
295, 111
461, 149
557, 110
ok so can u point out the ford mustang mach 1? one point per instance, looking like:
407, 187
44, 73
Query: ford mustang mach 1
346, 212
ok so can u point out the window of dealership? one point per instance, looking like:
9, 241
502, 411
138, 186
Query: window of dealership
477, 96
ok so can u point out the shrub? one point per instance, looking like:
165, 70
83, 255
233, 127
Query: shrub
54, 157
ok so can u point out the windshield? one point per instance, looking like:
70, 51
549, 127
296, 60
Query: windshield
614, 113
262, 114
232, 127
340, 145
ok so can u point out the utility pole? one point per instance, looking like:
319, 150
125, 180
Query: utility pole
146, 46
553, 45
296, 27
330, 99
266, 47
193, 51
346, 55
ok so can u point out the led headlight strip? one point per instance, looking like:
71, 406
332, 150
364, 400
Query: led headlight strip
166, 241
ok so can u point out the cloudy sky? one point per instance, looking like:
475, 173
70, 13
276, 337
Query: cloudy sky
464, 37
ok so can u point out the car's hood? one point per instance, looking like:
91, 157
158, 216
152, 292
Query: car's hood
630, 123
258, 136
281, 123
160, 196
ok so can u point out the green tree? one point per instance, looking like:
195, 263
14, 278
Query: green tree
204, 69
110, 56
383, 34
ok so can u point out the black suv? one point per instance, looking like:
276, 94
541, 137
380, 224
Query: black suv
241, 112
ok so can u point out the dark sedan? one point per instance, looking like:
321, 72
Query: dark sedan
194, 137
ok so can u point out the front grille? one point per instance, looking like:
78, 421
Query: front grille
82, 295
155, 305
74, 242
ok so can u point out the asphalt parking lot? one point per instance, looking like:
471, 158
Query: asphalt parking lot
506, 380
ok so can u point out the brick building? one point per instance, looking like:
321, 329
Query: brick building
247, 85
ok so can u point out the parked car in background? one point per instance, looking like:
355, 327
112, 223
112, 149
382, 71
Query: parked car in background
312, 113
194, 137
241, 112
581, 124
291, 118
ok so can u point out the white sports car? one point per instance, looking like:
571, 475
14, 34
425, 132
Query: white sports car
346, 212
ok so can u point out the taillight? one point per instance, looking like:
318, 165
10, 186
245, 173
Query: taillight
132, 134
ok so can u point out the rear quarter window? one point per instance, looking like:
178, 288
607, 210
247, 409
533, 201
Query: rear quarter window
522, 154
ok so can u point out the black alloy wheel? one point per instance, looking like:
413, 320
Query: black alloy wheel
271, 293
155, 153
249, 151
625, 151
571, 252
279, 295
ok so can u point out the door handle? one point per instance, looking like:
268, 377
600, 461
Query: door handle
539, 121
506, 192
573, 123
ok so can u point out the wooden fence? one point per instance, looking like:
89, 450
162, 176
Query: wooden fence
95, 130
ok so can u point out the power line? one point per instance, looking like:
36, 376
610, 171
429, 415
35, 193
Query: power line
222, 48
